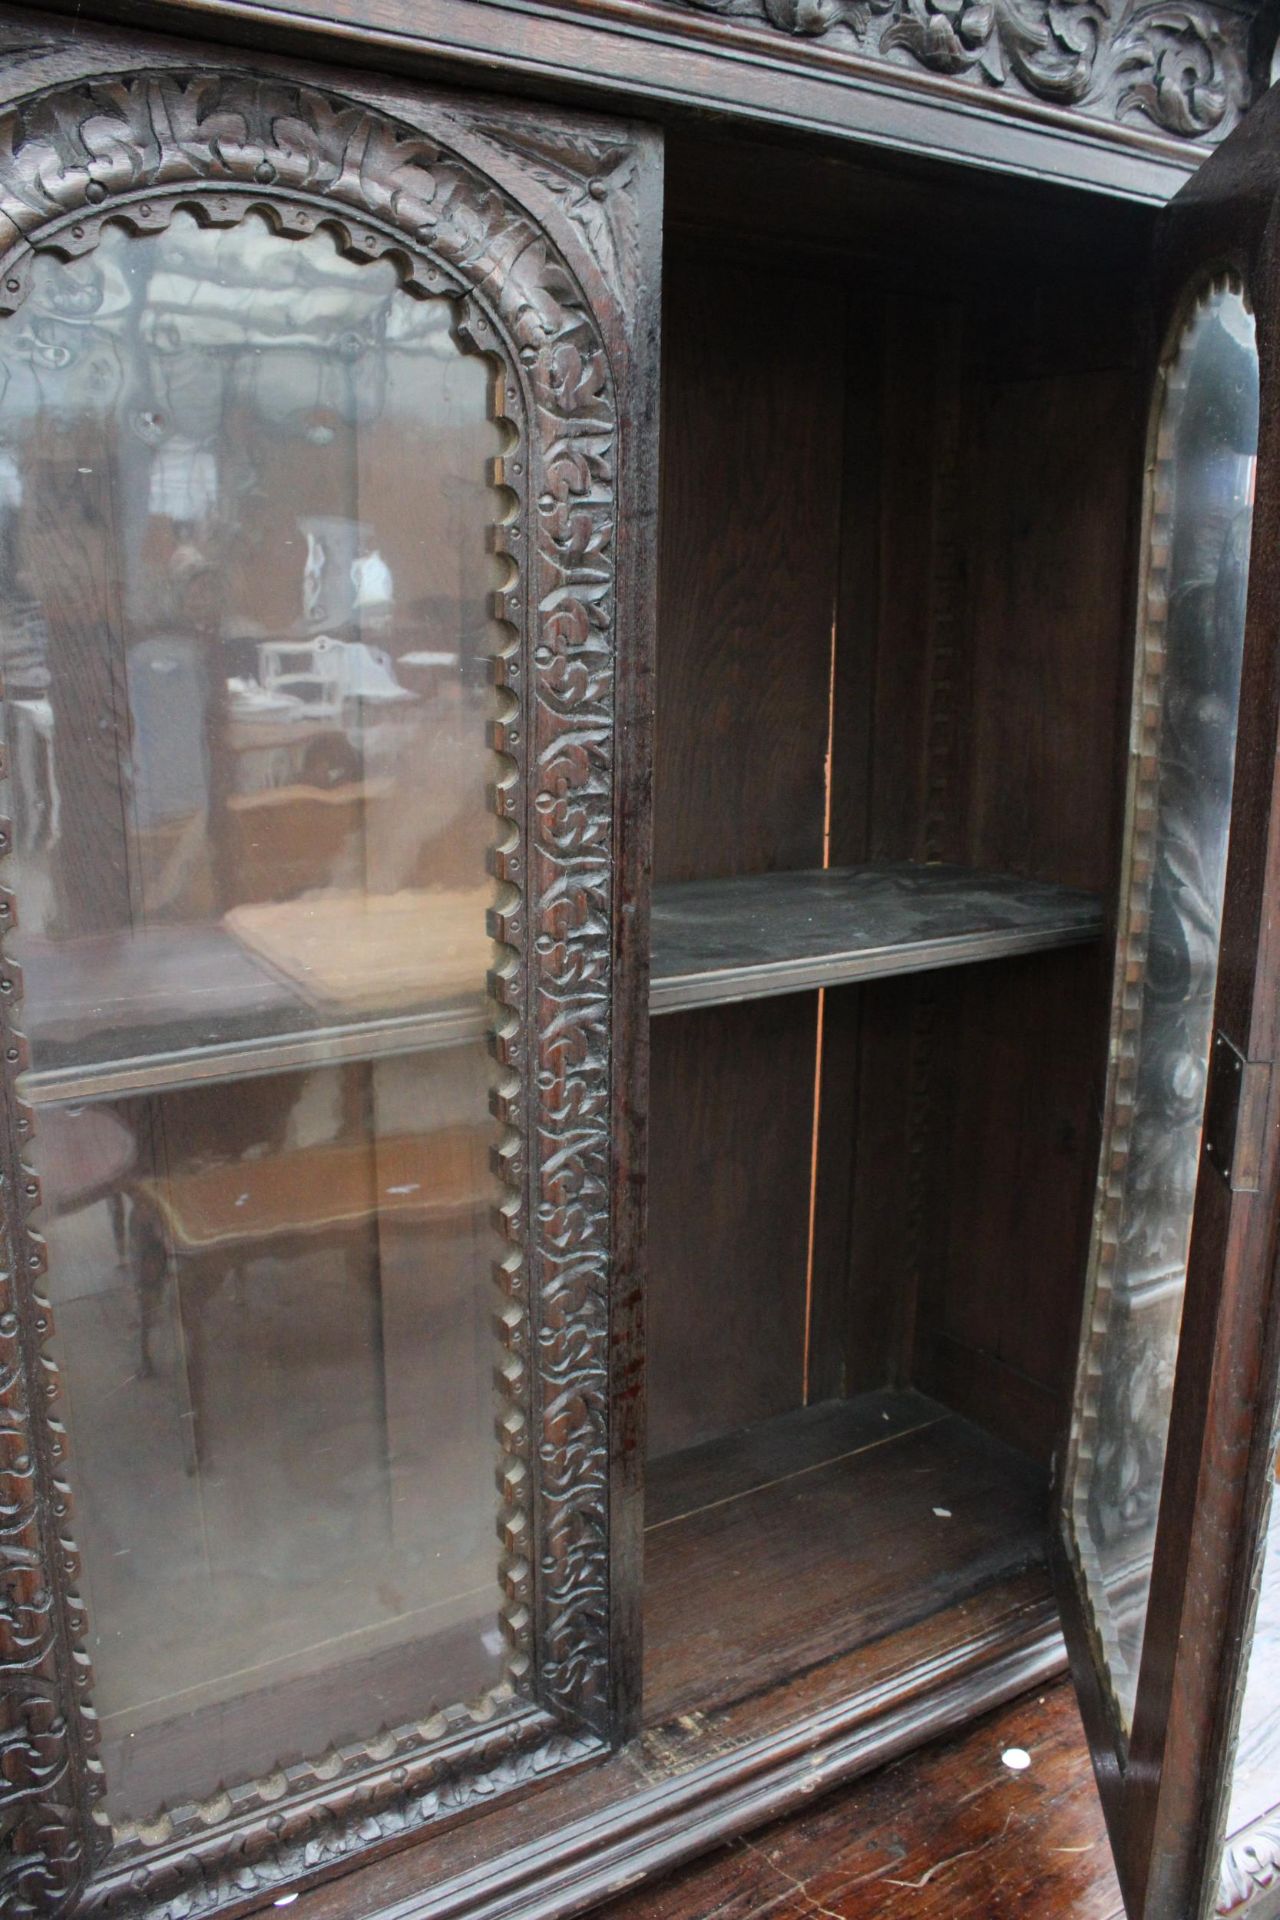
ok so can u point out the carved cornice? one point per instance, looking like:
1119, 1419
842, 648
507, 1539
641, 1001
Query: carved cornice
131, 149
1179, 69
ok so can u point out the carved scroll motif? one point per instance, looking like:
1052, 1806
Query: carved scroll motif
132, 149
1250, 1865
1177, 69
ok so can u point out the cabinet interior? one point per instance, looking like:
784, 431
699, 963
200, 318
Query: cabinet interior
902, 417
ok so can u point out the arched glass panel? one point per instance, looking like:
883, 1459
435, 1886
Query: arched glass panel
244, 585
1182, 753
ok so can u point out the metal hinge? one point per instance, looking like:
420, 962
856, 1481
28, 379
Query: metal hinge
1235, 1114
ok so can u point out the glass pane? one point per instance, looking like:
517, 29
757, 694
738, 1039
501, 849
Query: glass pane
244, 578
1199, 511
244, 497
1255, 1783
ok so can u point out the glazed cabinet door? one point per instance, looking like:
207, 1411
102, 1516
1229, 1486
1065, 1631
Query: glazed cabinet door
1165, 1491
323, 406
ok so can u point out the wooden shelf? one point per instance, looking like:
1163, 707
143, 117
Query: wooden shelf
800, 1540
745, 938
714, 941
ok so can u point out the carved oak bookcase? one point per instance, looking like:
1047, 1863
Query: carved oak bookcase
638, 863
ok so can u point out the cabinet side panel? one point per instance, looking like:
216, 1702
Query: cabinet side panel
1050, 461
729, 1217
751, 463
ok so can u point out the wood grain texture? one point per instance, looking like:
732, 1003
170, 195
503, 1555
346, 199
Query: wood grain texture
751, 465
946, 1832
745, 1590
749, 543
1049, 620
679, 1484
730, 1151
1014, 760
691, 1784
1004, 1232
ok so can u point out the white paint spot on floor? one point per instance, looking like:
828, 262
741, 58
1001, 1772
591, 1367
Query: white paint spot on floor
1017, 1759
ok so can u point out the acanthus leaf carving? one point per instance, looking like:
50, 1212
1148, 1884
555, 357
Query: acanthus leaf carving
589, 172
1250, 1864
1178, 69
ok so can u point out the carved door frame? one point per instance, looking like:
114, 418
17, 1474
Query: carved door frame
1163, 1786
544, 230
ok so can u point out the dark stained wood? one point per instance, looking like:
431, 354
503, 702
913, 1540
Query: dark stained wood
1010, 757
897, 603
678, 1484
631, 868
900, 410
990, 746
746, 1589
1048, 547
751, 465
830, 1372
699, 1777
577, 1123
749, 544
873, 1314
1025, 775
1014, 1058
1164, 1805
729, 1178
907, 224
948, 1831
691, 1784
916, 661
688, 64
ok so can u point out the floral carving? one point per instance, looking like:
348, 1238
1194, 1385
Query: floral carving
1179, 69
131, 149
1250, 1865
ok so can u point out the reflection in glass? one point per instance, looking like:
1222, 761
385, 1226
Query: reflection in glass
1255, 1778
244, 579
243, 609
1187, 685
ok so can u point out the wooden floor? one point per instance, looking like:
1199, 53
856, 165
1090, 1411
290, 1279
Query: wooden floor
791, 1544
857, 1569
950, 1833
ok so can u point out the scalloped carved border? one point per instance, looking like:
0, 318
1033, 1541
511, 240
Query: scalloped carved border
1180, 70
1126, 1032
131, 149
1124, 1051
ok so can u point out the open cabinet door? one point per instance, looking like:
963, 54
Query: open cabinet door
1166, 1473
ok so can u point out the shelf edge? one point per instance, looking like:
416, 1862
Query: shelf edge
727, 985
